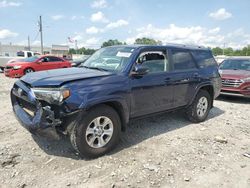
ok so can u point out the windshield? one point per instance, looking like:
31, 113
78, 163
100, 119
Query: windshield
30, 59
112, 59
236, 65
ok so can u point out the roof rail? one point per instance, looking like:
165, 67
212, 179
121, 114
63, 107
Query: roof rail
187, 45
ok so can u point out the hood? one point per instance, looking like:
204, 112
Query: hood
235, 74
60, 76
15, 62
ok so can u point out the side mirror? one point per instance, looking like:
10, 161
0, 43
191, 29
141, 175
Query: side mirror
39, 61
140, 70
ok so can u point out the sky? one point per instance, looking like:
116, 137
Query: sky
91, 22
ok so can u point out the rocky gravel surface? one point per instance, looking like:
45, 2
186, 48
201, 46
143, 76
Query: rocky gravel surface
160, 151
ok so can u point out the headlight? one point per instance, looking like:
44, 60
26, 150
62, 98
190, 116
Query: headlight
17, 67
50, 95
246, 79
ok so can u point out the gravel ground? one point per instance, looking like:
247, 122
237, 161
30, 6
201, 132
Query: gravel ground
161, 151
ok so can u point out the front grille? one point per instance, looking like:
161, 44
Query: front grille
231, 83
20, 94
233, 92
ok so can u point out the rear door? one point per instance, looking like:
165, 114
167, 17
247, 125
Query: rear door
185, 76
152, 92
57, 62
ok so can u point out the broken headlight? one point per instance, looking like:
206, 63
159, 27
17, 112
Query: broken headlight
51, 95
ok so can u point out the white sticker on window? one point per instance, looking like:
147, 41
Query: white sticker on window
123, 54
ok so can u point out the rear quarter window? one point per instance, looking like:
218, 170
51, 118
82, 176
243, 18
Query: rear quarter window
204, 58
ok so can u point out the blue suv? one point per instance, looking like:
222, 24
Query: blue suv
94, 103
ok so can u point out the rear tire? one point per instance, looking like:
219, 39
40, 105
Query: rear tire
28, 70
198, 111
97, 133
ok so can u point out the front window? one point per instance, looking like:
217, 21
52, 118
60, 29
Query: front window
113, 59
155, 61
235, 65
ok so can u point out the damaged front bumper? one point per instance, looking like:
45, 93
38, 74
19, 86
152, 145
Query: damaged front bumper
37, 118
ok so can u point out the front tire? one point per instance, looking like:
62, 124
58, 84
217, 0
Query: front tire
28, 70
97, 133
198, 111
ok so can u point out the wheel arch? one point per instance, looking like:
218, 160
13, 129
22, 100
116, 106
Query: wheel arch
119, 107
206, 87
28, 68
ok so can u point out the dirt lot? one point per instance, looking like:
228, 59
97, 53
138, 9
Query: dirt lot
162, 151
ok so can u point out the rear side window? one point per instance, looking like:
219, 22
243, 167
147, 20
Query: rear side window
182, 60
54, 59
204, 58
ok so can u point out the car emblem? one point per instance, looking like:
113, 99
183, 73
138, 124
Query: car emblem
20, 91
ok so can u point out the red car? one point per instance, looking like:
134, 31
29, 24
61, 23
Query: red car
235, 75
19, 68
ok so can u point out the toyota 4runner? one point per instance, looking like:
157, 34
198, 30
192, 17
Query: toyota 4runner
94, 103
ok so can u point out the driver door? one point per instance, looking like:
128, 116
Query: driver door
152, 92
46, 63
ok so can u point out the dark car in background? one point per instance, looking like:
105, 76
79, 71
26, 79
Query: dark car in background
235, 73
94, 103
18, 68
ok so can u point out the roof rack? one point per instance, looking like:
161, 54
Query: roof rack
186, 45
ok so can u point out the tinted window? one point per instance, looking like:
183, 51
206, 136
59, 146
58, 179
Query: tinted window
204, 58
182, 60
20, 54
29, 54
53, 59
235, 65
154, 61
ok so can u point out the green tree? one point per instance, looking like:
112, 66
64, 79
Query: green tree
72, 51
89, 51
217, 51
238, 53
229, 51
112, 42
147, 41
85, 51
246, 51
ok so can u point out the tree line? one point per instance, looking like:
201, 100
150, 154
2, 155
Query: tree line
148, 41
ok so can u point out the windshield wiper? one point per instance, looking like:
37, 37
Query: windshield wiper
95, 68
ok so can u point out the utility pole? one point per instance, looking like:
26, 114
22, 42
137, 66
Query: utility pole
28, 42
76, 46
41, 32
224, 45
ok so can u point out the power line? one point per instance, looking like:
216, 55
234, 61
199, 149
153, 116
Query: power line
37, 34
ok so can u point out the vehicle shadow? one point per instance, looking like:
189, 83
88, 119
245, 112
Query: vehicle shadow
233, 99
60, 148
137, 131
143, 129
